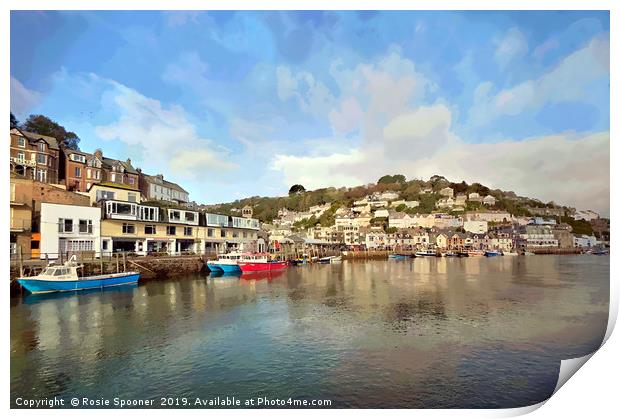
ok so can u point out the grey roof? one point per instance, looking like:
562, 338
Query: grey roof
164, 182
33, 136
110, 162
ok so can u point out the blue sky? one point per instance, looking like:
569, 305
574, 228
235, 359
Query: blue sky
236, 104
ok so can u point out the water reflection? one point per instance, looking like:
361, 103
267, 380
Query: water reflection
428, 332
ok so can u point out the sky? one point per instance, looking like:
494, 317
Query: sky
239, 104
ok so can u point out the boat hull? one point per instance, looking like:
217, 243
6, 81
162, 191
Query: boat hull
257, 267
41, 286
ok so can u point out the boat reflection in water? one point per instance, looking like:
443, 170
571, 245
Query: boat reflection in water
258, 275
34, 298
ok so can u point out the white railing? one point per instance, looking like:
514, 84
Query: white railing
24, 162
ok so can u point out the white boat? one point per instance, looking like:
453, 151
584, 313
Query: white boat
528, 253
511, 253
57, 278
422, 253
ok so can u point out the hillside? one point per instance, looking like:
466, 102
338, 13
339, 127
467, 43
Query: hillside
266, 208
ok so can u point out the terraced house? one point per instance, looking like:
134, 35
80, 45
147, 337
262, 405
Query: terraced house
34, 156
155, 188
81, 170
132, 226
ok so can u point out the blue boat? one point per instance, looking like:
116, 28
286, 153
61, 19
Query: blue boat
396, 256
225, 263
65, 278
490, 253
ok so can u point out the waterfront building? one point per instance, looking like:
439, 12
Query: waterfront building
376, 240
584, 241
26, 197
350, 234
114, 192
502, 241
69, 229
34, 156
476, 226
537, 236
156, 188
441, 240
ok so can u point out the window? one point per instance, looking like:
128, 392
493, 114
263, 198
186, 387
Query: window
88, 186
222, 233
187, 231
41, 175
131, 197
65, 225
235, 234
245, 234
150, 229
78, 172
104, 245
171, 230
113, 177
104, 195
97, 174
41, 158
129, 228
89, 173
86, 226
21, 156
131, 180
21, 142
41, 146
174, 215
210, 232
190, 216
78, 158
149, 213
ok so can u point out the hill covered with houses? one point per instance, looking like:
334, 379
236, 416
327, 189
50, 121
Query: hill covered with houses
396, 205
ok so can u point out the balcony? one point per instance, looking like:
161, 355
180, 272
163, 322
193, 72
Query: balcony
24, 162
18, 226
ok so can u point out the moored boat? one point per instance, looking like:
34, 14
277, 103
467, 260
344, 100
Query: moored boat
462, 254
225, 263
490, 253
260, 262
511, 253
395, 256
422, 253
475, 252
526, 253
59, 278
450, 254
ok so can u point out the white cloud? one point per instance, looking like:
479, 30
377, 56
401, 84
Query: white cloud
348, 118
22, 98
420, 144
312, 96
165, 135
569, 80
510, 47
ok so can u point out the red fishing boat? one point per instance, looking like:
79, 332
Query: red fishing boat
260, 262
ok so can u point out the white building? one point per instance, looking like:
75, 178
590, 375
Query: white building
586, 215
447, 192
382, 213
387, 196
69, 229
475, 197
584, 241
445, 203
375, 240
488, 200
476, 227
490, 216
401, 220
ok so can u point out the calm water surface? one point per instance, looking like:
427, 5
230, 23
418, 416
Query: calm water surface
429, 332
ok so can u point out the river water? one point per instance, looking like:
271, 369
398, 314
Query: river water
424, 333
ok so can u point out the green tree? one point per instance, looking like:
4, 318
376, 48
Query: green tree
43, 125
14, 121
392, 179
296, 189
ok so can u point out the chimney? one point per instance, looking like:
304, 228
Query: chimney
98, 153
139, 170
128, 162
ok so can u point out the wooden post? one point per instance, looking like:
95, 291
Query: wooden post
21, 261
101, 262
124, 262
117, 268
